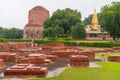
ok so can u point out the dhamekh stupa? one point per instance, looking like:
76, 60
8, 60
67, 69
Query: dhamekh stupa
34, 28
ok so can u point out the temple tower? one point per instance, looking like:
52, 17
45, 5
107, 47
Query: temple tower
95, 23
34, 28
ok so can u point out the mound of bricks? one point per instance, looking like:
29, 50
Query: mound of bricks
52, 57
65, 53
1, 64
116, 48
8, 57
4, 47
16, 46
109, 49
114, 58
26, 69
79, 61
35, 59
89, 54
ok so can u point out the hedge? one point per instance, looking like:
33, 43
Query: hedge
66, 42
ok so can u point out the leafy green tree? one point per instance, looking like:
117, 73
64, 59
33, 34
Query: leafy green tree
1, 32
13, 33
78, 31
88, 20
65, 18
58, 31
110, 19
49, 32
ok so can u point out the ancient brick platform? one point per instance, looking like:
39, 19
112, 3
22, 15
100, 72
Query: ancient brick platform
89, 54
116, 48
79, 61
37, 59
114, 58
65, 53
1, 64
26, 69
4, 47
9, 57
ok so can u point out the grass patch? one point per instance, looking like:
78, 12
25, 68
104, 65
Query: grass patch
106, 55
109, 71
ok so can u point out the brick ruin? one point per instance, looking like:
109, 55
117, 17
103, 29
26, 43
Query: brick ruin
26, 69
79, 61
33, 29
2, 64
44, 54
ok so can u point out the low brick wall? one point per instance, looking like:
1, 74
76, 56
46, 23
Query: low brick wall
65, 53
79, 61
8, 57
89, 54
114, 58
26, 69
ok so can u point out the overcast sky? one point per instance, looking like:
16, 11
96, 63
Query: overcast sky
14, 13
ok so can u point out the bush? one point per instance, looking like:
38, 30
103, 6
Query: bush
43, 41
15, 40
70, 43
98, 44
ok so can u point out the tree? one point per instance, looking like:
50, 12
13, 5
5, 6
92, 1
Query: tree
13, 33
88, 20
78, 31
49, 32
58, 31
65, 18
1, 32
110, 17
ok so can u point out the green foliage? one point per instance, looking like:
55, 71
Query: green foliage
110, 17
49, 32
88, 20
65, 18
70, 43
98, 44
12, 33
14, 40
58, 31
78, 32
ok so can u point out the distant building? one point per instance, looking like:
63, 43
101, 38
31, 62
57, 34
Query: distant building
34, 28
93, 30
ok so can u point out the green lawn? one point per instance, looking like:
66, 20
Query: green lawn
108, 71
106, 55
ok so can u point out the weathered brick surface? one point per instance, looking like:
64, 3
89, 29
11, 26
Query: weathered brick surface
9, 57
89, 54
35, 25
114, 58
64, 53
4, 47
79, 61
26, 69
1, 64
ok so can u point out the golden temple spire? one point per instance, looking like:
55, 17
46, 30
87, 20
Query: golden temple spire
94, 24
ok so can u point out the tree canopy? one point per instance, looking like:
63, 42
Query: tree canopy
78, 31
65, 18
12, 33
110, 17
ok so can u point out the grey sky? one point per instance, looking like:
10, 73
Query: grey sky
14, 13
